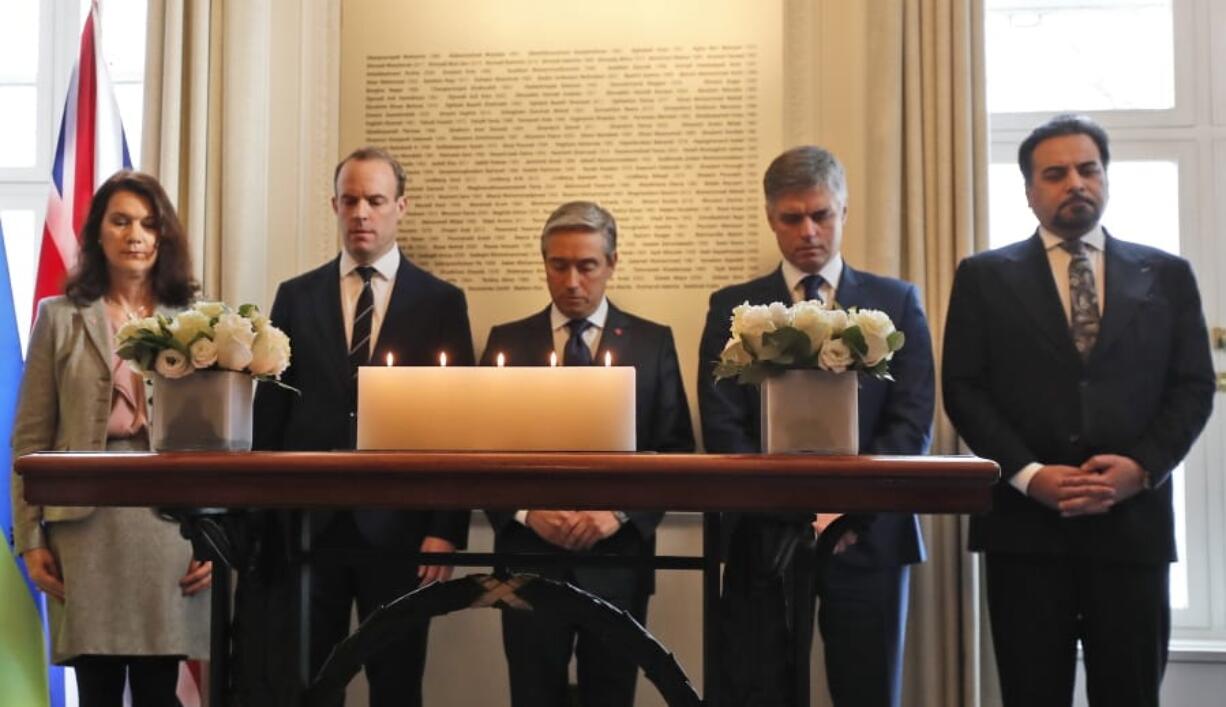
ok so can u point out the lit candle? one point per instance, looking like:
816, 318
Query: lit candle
608, 359
553, 359
524, 408
502, 360
389, 358
442, 359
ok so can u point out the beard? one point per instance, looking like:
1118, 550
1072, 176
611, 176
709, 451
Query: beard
1077, 215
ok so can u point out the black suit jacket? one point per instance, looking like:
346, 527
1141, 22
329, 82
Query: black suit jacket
1018, 392
424, 316
662, 424
895, 417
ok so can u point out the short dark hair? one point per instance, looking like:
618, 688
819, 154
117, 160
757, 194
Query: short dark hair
582, 215
173, 284
1062, 124
374, 153
802, 168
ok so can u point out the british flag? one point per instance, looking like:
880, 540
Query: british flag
90, 148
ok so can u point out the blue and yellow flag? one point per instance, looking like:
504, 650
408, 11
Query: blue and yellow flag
23, 667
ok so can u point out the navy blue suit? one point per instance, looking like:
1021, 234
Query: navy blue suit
538, 650
863, 589
425, 315
1018, 392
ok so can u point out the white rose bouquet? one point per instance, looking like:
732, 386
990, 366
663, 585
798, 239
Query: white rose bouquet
208, 336
769, 339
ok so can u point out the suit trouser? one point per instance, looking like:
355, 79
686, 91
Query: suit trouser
538, 647
1042, 605
767, 608
395, 673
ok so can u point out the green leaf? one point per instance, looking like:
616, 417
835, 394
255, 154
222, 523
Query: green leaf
792, 344
854, 338
247, 311
895, 340
724, 369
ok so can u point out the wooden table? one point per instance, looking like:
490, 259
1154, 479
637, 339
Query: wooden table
709, 483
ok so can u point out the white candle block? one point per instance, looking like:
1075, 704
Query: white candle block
577, 408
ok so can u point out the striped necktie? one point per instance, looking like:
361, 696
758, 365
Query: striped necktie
363, 315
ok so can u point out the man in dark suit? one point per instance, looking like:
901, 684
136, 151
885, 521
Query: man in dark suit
1080, 363
862, 579
366, 303
579, 245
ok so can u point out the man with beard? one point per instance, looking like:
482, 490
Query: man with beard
1080, 363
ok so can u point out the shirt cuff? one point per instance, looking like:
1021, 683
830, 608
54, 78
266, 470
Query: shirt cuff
1021, 480
521, 517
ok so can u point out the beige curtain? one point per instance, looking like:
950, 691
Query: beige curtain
927, 153
182, 127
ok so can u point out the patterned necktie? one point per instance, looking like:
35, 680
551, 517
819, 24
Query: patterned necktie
813, 287
576, 352
1083, 298
363, 314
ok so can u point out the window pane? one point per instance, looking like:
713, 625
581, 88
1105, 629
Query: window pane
123, 38
21, 247
1052, 55
1142, 206
131, 97
1179, 570
18, 41
18, 118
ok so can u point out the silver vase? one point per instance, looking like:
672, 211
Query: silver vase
811, 411
203, 411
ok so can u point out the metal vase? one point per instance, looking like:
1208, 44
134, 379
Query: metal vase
811, 411
206, 410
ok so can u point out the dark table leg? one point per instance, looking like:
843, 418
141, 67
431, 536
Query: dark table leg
219, 635
301, 528
711, 627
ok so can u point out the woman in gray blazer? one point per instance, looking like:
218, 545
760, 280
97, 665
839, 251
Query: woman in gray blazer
128, 600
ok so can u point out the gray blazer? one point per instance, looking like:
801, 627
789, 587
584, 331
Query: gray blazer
65, 401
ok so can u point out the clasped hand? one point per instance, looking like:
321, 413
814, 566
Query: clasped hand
573, 530
1092, 488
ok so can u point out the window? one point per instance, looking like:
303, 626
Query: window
39, 44
1049, 56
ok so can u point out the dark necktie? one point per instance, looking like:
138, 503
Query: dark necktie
813, 287
363, 315
1083, 298
576, 352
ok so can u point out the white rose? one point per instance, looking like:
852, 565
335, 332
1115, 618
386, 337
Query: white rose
780, 314
212, 310
204, 353
128, 330
835, 356
188, 325
172, 364
234, 338
734, 352
810, 318
270, 354
876, 328
749, 323
837, 319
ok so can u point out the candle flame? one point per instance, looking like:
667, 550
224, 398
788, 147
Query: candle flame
389, 358
608, 358
553, 359
502, 360
442, 359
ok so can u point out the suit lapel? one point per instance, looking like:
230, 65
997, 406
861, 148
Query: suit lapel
1129, 279
615, 339
98, 330
1029, 277
326, 293
849, 293
400, 307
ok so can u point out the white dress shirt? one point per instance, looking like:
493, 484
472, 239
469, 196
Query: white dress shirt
830, 272
381, 283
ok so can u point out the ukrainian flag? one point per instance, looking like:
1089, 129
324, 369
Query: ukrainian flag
23, 668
